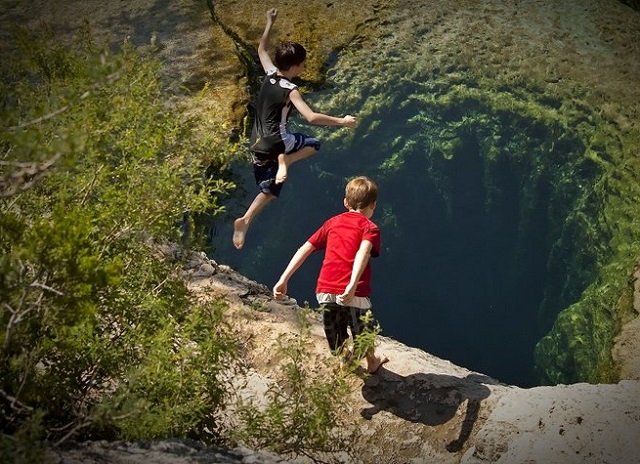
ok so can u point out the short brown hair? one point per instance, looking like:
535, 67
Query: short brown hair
289, 54
361, 192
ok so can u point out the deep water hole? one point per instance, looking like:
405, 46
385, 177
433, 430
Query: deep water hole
473, 205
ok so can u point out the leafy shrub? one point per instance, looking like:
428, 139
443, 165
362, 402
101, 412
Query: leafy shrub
303, 410
100, 337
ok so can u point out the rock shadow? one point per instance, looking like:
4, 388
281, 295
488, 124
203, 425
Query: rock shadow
431, 399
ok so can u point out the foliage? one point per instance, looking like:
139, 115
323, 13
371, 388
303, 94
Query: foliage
301, 413
100, 336
365, 342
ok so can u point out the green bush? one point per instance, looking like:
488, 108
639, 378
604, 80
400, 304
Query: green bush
100, 336
302, 413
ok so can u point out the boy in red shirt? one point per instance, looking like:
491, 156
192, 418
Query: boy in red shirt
343, 286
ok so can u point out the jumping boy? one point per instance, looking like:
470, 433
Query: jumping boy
343, 286
274, 148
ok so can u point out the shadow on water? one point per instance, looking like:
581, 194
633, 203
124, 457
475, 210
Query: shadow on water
430, 399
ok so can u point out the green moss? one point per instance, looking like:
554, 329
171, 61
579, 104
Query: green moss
587, 165
578, 346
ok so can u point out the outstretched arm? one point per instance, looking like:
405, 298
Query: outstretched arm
319, 119
359, 264
280, 288
265, 59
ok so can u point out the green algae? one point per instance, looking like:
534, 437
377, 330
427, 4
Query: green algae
578, 346
587, 164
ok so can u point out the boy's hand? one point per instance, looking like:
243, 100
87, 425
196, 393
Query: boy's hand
349, 121
347, 296
272, 14
279, 290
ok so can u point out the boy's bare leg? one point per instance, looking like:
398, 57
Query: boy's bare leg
241, 225
284, 161
374, 362
281, 175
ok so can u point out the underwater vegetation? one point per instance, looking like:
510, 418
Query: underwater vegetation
547, 183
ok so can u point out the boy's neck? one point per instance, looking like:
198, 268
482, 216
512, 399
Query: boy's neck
293, 71
367, 211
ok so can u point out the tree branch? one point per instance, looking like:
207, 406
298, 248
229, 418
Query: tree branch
13, 401
25, 177
46, 287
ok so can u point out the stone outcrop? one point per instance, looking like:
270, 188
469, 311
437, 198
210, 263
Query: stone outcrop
157, 452
422, 409
627, 347
417, 409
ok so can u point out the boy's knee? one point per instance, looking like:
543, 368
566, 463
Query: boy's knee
270, 188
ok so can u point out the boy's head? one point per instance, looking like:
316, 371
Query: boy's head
289, 54
360, 192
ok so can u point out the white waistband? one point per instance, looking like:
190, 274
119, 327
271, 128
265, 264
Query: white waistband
360, 302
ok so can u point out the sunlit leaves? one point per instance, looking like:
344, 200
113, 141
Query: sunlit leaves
99, 332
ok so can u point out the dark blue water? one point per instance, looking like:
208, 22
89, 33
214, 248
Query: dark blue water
465, 236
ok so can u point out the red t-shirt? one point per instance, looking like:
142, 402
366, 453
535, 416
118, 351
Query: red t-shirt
341, 236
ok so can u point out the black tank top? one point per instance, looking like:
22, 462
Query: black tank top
273, 109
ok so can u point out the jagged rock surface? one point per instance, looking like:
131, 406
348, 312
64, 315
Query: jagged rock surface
417, 409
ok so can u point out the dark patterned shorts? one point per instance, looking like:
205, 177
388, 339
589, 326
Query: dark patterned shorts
265, 175
337, 319
265, 166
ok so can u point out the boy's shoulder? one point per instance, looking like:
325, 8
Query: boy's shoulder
272, 76
353, 216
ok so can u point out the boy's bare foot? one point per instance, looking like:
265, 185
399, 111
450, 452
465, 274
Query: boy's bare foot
281, 174
239, 231
374, 364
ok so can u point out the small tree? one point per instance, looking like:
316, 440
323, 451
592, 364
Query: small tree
100, 337
304, 414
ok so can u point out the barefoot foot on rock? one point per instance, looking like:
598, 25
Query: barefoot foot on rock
374, 364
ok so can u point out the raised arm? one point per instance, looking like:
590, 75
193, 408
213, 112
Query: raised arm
319, 119
280, 288
359, 264
265, 59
